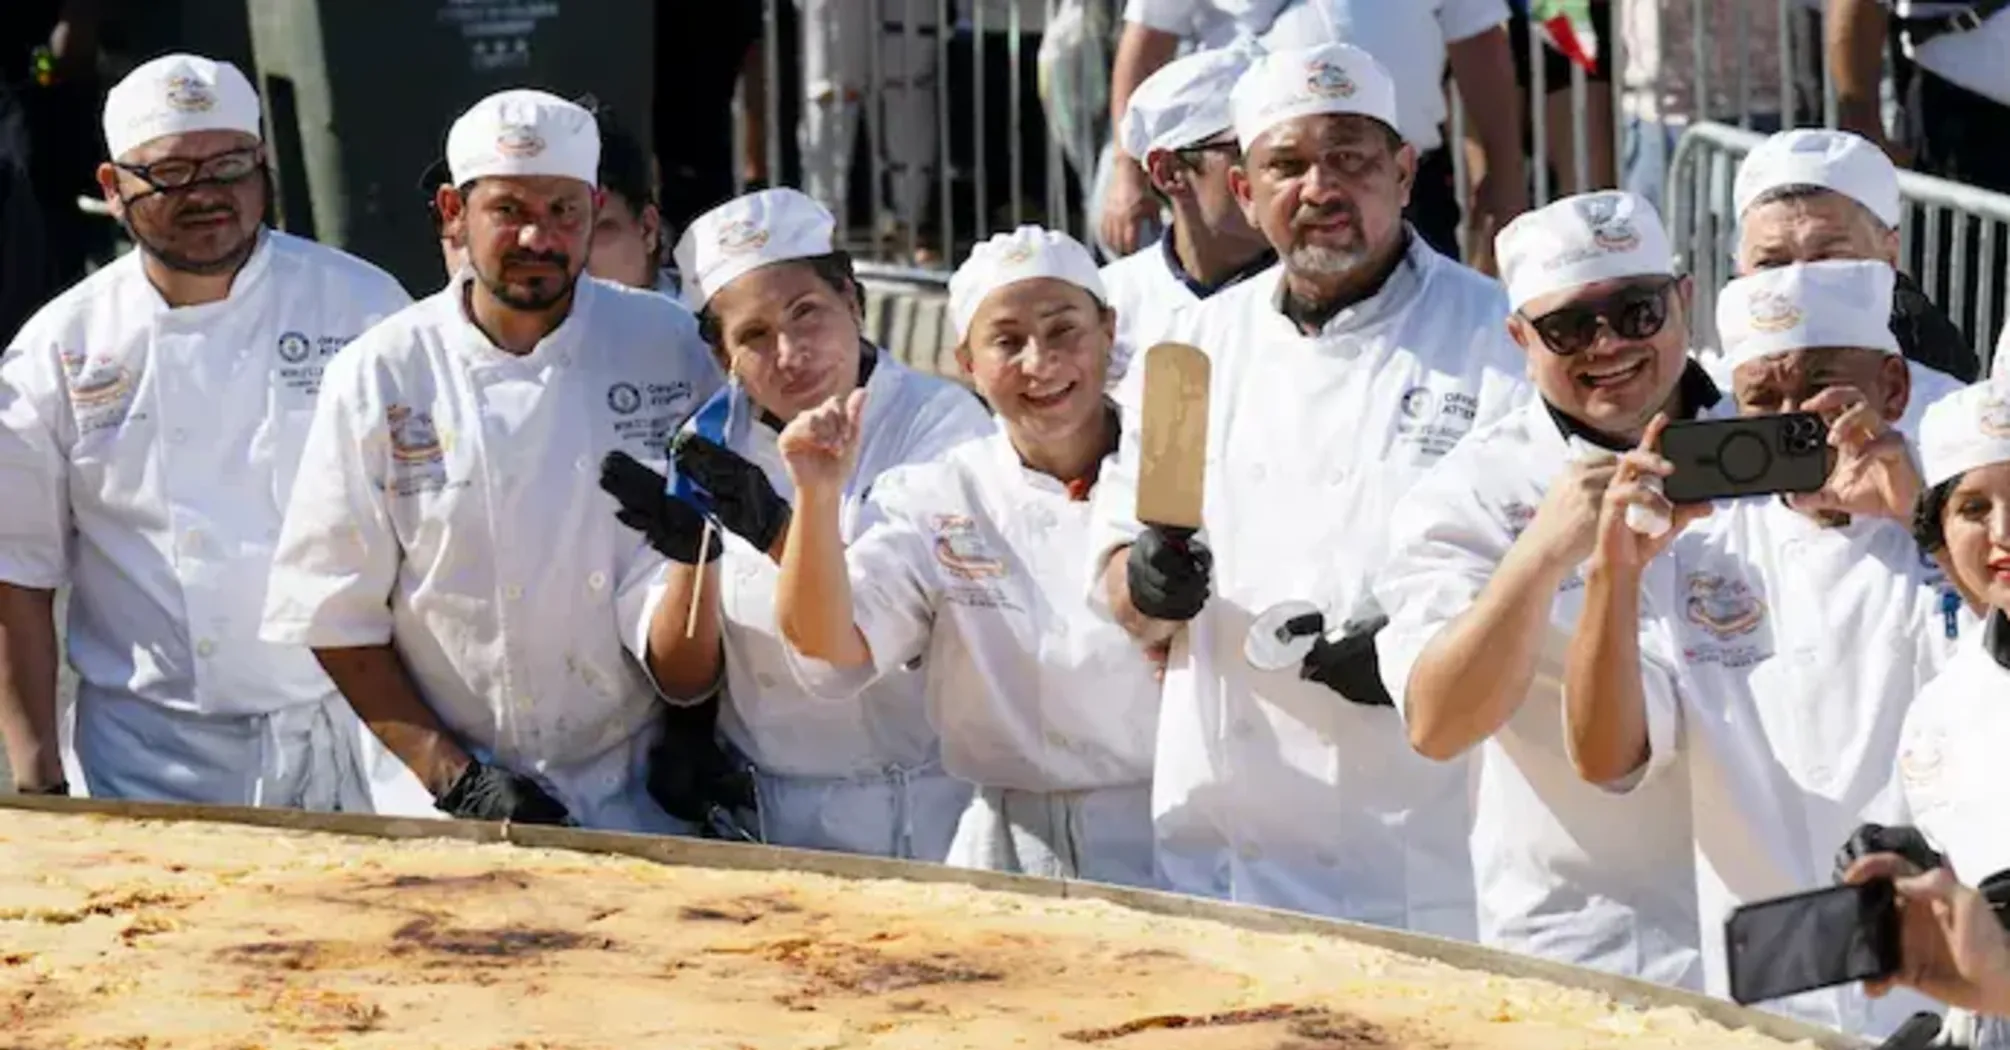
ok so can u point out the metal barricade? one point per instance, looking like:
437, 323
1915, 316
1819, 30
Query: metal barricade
1953, 237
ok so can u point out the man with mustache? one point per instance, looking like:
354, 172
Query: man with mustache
1340, 377
150, 428
1484, 583
448, 554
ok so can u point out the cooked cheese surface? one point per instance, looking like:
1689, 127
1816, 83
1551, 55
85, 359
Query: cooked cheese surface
189, 936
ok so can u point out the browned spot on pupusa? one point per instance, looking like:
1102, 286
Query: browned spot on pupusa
742, 910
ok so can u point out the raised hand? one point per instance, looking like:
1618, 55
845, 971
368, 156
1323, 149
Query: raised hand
820, 446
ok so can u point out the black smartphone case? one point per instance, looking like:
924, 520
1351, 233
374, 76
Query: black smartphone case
1818, 939
1747, 456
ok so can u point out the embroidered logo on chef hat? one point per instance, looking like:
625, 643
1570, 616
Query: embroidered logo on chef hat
1772, 312
1592, 237
1967, 429
519, 140
747, 233
1335, 79
1185, 102
176, 95
1839, 304
524, 133
1836, 161
1329, 80
1025, 254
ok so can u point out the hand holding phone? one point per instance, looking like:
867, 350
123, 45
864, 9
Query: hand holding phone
1818, 939
1746, 456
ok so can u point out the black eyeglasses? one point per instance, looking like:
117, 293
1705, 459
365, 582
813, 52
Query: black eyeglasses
1192, 154
180, 173
1636, 312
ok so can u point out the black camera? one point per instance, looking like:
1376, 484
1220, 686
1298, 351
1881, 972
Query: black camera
1747, 456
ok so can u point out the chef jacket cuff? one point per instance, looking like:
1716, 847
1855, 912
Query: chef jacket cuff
36, 575
828, 681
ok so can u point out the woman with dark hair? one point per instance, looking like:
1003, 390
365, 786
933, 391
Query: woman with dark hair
783, 311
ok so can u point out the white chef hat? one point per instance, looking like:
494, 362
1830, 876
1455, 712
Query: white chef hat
1581, 240
1841, 303
1833, 160
1967, 429
524, 132
1184, 104
1302, 82
174, 95
1022, 255
747, 233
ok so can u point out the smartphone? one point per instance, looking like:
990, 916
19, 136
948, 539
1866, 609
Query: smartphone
1746, 456
1818, 939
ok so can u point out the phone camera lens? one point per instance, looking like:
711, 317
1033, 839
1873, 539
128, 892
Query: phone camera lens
1802, 436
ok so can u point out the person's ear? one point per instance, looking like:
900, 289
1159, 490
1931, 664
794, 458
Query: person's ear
1243, 191
1897, 376
652, 232
963, 359
453, 210
108, 184
1166, 173
1406, 172
1890, 241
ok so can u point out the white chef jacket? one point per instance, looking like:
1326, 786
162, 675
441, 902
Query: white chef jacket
1147, 289
1269, 789
1950, 761
449, 504
1783, 657
1972, 59
977, 566
1409, 38
146, 453
1950, 768
1563, 869
862, 777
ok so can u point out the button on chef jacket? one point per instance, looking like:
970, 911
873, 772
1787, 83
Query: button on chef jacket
449, 504
1268, 789
1147, 288
1784, 656
146, 455
978, 565
1564, 870
863, 777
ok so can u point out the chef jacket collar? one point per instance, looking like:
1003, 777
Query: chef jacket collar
868, 359
1395, 293
244, 284
1694, 393
1264, 261
1076, 489
557, 344
1996, 638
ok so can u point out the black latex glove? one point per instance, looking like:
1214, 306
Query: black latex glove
485, 792
1168, 573
671, 525
693, 778
1996, 890
1349, 666
741, 496
1904, 840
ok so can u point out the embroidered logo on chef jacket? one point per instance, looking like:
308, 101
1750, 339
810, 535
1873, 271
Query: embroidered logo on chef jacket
519, 140
742, 236
971, 565
418, 454
1772, 312
1730, 615
188, 95
1921, 764
101, 391
301, 360
643, 415
1434, 421
1328, 80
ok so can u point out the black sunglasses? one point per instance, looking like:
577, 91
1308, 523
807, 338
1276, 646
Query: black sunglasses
1636, 312
180, 173
1192, 154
